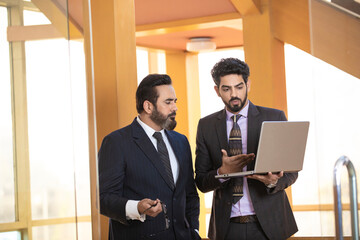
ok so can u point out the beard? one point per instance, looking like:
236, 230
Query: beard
167, 122
236, 108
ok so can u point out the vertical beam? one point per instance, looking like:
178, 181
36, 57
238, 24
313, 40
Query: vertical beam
183, 69
194, 113
94, 190
111, 74
22, 165
125, 46
266, 60
176, 68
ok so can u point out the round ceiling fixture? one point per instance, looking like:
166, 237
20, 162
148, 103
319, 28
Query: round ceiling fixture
200, 44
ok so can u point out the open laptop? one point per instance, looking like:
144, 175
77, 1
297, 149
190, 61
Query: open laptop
281, 148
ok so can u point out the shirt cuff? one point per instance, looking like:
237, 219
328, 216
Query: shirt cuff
132, 212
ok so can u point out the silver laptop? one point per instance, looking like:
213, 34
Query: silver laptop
281, 148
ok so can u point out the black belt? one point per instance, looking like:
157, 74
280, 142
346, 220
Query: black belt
244, 219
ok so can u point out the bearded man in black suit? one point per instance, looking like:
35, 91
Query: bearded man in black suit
146, 180
260, 209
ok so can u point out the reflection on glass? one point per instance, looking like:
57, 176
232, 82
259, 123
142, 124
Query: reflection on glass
10, 236
34, 18
142, 63
80, 127
55, 232
57, 129
50, 129
84, 231
324, 95
7, 192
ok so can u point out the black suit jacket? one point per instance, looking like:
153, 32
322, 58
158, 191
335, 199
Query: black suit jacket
271, 205
130, 168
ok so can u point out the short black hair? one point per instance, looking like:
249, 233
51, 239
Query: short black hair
227, 66
146, 89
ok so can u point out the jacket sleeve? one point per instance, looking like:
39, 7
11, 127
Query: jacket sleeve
192, 197
111, 180
204, 164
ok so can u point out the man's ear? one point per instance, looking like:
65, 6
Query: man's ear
217, 90
248, 84
148, 107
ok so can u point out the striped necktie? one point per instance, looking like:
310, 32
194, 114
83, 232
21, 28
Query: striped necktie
164, 156
235, 147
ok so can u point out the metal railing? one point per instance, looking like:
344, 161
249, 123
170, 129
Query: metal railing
353, 198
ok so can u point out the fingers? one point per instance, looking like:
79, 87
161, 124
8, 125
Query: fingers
149, 207
224, 153
154, 211
267, 179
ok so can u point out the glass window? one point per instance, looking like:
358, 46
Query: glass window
10, 236
7, 190
50, 129
142, 64
55, 232
325, 95
34, 18
57, 128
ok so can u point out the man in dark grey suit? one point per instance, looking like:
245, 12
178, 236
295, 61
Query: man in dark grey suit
147, 186
254, 207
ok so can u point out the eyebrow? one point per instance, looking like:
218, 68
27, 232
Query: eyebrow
242, 83
170, 99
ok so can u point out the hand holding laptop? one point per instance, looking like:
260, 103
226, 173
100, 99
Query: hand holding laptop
270, 178
234, 163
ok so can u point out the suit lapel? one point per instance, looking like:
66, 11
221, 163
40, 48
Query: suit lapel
254, 124
221, 130
177, 148
145, 144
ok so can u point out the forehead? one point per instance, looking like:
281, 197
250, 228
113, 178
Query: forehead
231, 80
165, 92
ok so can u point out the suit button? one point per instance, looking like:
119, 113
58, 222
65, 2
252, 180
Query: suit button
174, 220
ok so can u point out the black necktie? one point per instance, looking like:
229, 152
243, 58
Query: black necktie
235, 146
164, 156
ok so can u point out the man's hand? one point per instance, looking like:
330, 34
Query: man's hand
234, 163
267, 179
149, 207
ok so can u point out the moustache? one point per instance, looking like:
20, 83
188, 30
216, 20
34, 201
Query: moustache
173, 114
235, 98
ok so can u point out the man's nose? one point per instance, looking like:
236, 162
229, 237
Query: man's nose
233, 93
174, 107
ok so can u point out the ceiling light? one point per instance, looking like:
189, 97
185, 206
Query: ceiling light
200, 44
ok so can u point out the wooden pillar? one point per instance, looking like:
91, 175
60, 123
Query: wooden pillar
109, 30
176, 69
265, 56
183, 69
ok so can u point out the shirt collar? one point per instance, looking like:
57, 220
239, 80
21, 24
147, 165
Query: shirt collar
148, 130
243, 112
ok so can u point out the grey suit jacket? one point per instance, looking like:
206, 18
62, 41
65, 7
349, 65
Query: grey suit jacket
130, 168
271, 205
